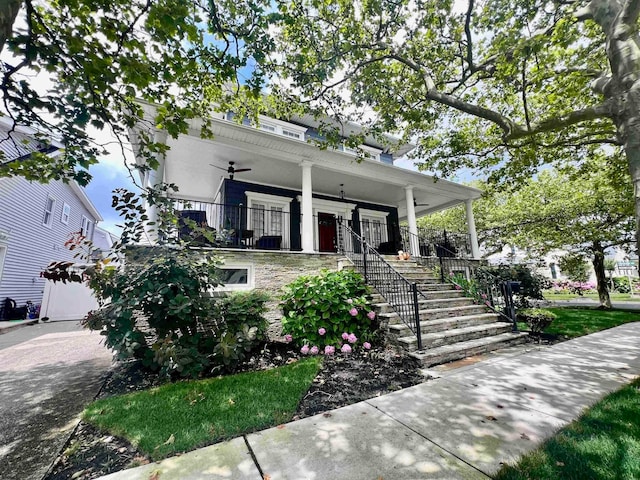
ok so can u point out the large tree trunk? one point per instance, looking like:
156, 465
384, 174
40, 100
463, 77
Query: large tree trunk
601, 276
618, 20
8, 12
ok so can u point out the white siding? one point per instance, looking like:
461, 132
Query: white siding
31, 246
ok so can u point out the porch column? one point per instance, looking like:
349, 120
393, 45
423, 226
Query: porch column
471, 225
307, 208
153, 178
413, 225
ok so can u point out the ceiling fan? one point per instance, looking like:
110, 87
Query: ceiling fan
231, 170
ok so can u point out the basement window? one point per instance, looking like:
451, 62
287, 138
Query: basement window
236, 277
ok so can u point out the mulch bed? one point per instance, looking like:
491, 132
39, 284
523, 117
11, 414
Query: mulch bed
343, 380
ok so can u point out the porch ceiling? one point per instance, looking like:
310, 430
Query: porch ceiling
191, 164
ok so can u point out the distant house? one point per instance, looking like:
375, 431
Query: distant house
35, 220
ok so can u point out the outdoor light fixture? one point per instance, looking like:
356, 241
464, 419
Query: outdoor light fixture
342, 191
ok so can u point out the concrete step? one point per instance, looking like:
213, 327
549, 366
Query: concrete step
456, 351
385, 307
431, 295
457, 335
399, 330
435, 313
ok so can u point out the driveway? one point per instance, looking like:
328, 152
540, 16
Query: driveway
48, 373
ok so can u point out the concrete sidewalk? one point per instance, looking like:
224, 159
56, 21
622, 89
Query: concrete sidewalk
463, 425
48, 374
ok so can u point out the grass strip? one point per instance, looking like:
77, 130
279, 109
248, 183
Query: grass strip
576, 322
602, 444
186, 415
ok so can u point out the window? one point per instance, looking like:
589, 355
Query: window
66, 212
48, 211
269, 217
267, 127
279, 127
554, 272
373, 226
366, 151
289, 133
236, 277
86, 227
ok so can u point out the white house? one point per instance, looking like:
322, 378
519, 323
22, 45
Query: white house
36, 220
277, 190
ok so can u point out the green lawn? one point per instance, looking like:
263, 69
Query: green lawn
186, 415
603, 444
575, 322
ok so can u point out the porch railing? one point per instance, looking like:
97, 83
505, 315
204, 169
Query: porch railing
399, 292
244, 227
476, 282
435, 243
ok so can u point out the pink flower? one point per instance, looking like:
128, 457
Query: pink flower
458, 287
352, 338
451, 274
366, 345
353, 311
288, 338
349, 301
488, 304
371, 315
345, 336
322, 331
329, 350
304, 350
484, 296
314, 350
346, 348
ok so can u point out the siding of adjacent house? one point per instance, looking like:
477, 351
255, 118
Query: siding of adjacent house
31, 246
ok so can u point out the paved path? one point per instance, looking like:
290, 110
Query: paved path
589, 302
463, 425
48, 373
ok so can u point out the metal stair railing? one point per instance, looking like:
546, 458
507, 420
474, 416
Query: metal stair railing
477, 283
401, 293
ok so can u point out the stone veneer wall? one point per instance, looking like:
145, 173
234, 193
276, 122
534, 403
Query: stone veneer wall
274, 270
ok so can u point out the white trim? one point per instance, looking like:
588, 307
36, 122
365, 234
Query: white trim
339, 209
278, 127
251, 278
3, 254
370, 153
375, 215
265, 197
270, 200
65, 208
82, 195
50, 212
89, 227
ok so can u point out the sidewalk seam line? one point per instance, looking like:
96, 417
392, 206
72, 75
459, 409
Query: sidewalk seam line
429, 440
253, 456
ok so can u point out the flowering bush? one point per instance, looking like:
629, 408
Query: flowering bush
564, 286
328, 311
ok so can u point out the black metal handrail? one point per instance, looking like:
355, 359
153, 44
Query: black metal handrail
399, 292
477, 283
430, 243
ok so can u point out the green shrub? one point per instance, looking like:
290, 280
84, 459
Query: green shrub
531, 283
537, 319
319, 310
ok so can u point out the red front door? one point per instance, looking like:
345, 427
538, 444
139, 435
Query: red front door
326, 232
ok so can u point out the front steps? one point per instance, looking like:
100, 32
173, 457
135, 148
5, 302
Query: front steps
452, 326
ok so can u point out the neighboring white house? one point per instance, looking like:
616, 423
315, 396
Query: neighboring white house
277, 190
36, 220
548, 266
